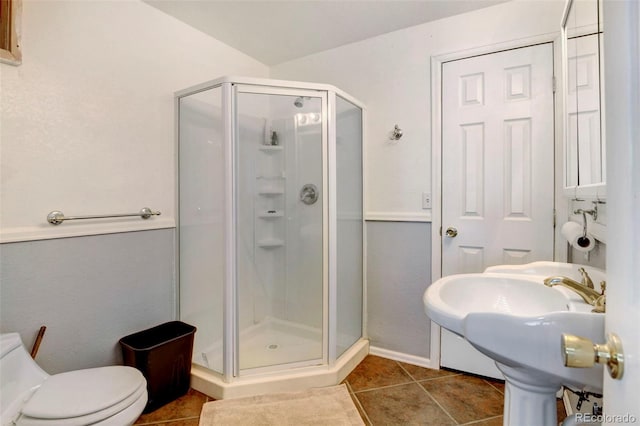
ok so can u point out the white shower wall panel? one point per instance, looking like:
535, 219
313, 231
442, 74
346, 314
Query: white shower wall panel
304, 227
253, 268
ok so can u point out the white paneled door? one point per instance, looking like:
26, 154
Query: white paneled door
498, 166
497, 170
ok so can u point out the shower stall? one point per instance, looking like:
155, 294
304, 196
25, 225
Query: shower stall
270, 234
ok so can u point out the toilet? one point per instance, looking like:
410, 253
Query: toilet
113, 395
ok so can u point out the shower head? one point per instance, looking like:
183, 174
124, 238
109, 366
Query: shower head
299, 102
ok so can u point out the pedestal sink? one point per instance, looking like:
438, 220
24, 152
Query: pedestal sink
517, 321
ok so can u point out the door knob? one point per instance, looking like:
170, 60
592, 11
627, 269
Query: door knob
580, 352
451, 232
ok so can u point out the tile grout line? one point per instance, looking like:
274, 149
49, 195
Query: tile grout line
382, 387
429, 378
428, 394
491, 384
475, 422
438, 404
405, 370
366, 415
163, 421
412, 380
438, 378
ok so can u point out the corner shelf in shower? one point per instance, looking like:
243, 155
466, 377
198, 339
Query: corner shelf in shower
270, 148
271, 191
270, 243
267, 215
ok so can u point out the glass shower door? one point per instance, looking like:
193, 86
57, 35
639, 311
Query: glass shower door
349, 224
201, 228
280, 252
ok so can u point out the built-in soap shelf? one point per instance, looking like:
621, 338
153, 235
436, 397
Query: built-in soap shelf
270, 185
271, 191
270, 243
270, 214
270, 148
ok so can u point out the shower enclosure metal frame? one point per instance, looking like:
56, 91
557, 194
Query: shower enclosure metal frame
333, 366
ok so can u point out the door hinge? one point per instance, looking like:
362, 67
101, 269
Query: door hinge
440, 231
554, 83
554, 218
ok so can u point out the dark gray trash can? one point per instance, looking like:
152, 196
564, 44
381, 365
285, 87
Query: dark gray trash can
163, 355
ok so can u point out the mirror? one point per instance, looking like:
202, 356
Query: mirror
583, 100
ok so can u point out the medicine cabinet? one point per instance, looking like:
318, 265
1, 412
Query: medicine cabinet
583, 100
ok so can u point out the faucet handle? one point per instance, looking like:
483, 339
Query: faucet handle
586, 279
601, 302
600, 306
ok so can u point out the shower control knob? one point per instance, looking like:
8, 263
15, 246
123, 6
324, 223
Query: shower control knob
451, 232
309, 194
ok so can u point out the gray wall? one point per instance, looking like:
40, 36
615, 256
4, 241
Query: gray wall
88, 291
91, 291
398, 273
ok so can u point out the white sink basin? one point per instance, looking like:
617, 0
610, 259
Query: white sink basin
449, 300
508, 314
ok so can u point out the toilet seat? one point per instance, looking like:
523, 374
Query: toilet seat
84, 397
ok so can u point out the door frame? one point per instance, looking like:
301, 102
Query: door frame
561, 204
622, 101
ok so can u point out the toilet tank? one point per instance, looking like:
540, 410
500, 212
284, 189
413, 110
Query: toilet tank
19, 375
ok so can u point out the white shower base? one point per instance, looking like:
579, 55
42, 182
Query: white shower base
293, 344
270, 342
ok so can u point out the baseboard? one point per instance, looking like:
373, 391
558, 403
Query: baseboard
402, 357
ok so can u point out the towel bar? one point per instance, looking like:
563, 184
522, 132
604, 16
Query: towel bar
57, 217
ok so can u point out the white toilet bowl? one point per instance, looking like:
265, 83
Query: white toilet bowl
114, 395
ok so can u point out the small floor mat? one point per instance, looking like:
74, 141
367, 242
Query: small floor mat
319, 406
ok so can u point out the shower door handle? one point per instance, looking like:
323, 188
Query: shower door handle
309, 194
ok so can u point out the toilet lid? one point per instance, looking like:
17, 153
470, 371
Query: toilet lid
82, 392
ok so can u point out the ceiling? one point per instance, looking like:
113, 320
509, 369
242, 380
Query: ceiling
278, 31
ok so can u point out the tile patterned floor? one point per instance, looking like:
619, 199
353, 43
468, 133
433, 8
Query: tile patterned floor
388, 392
184, 411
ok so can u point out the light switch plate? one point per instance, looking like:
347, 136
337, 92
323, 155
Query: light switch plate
426, 200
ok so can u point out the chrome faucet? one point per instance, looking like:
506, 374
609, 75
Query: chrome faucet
586, 279
589, 295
